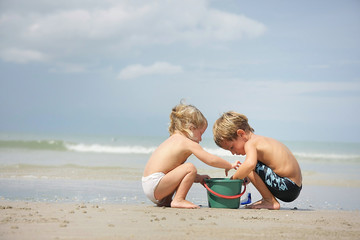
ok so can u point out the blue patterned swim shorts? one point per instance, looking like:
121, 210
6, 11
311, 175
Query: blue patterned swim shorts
281, 187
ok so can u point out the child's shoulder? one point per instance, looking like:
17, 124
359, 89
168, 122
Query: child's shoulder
179, 142
178, 137
259, 141
176, 142
260, 138
266, 144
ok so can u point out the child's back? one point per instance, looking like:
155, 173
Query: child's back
278, 157
170, 154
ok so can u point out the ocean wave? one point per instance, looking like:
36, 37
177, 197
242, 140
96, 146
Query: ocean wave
219, 152
98, 148
54, 145
327, 157
306, 156
59, 145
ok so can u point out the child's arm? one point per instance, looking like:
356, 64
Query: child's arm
250, 162
210, 159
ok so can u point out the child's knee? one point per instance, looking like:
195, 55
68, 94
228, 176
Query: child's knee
191, 168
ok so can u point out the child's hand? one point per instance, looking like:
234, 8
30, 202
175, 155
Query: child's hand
235, 166
246, 180
201, 179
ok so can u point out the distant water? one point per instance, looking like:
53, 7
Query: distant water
109, 169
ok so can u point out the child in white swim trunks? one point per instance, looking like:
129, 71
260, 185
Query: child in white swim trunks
166, 171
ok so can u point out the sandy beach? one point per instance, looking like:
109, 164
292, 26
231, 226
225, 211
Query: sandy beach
70, 189
36, 220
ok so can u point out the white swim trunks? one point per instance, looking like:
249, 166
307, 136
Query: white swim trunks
149, 185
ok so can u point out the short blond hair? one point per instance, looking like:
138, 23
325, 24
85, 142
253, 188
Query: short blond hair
183, 117
225, 128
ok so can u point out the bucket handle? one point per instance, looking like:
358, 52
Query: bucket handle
224, 196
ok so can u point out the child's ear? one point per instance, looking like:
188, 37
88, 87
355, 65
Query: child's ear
240, 132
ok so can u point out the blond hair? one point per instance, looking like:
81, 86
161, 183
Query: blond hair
225, 128
183, 117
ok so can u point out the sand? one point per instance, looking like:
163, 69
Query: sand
39, 220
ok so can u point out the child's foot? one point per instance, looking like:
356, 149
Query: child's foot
264, 204
183, 204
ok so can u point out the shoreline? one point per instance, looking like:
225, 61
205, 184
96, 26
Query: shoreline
43, 220
312, 197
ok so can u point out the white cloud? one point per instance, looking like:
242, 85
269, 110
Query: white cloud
22, 55
117, 27
68, 68
158, 68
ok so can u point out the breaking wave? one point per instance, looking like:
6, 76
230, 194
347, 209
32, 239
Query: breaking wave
59, 145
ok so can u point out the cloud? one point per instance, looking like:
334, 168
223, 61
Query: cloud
67, 68
22, 55
116, 27
158, 68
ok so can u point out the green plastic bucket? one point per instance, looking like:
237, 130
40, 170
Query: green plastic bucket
223, 192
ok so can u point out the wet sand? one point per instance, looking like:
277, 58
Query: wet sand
39, 220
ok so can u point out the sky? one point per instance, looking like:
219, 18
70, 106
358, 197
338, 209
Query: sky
117, 67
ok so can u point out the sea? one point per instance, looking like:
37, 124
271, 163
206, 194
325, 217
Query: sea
108, 169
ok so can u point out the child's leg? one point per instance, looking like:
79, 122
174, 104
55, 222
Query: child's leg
180, 180
268, 201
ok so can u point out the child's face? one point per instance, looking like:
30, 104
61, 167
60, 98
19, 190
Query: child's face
236, 147
197, 133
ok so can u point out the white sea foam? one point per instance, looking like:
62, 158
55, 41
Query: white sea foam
97, 148
328, 156
137, 149
219, 152
317, 152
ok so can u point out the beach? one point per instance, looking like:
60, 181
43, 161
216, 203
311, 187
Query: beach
90, 188
38, 220
91, 89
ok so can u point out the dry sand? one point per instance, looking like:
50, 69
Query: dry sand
29, 220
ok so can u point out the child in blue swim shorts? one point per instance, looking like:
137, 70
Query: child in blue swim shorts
269, 165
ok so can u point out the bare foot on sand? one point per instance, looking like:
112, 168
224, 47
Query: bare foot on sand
183, 204
265, 204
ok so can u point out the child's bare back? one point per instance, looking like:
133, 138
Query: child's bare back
173, 152
278, 157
